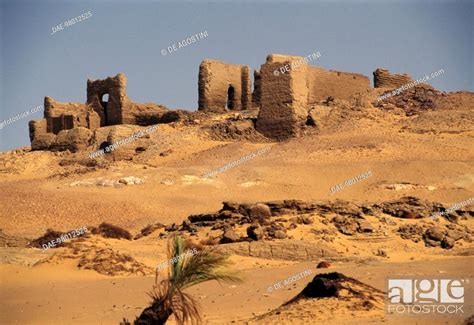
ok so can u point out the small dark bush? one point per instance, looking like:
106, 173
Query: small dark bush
110, 231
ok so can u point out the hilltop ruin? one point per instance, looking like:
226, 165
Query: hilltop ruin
283, 98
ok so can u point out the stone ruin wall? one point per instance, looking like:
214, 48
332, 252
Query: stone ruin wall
283, 109
215, 78
328, 83
287, 95
384, 79
70, 126
117, 109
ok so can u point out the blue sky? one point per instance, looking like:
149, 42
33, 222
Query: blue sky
416, 37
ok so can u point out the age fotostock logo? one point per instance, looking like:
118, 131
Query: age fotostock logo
424, 296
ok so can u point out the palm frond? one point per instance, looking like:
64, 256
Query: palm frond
185, 271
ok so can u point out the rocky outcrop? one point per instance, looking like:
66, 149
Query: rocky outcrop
73, 140
282, 250
412, 100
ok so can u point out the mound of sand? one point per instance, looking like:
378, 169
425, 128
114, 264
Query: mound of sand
92, 255
335, 292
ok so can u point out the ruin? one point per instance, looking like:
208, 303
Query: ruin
285, 88
70, 126
285, 97
384, 79
224, 86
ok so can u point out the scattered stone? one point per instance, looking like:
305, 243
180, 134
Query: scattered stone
131, 180
279, 234
435, 233
255, 232
229, 236
148, 230
259, 212
381, 252
408, 207
323, 265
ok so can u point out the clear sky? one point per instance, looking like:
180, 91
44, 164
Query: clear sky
416, 37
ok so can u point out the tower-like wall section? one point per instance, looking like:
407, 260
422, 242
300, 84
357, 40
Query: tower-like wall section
215, 80
118, 110
283, 100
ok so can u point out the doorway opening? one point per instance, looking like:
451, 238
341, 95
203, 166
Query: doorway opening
230, 98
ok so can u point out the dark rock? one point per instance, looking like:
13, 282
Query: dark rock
324, 285
259, 212
408, 207
448, 243
455, 235
323, 265
255, 232
432, 243
188, 226
229, 236
413, 232
203, 217
149, 230
364, 226
435, 233
279, 234
292, 226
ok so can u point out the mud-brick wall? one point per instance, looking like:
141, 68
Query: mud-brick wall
215, 78
384, 79
64, 116
118, 109
283, 101
341, 85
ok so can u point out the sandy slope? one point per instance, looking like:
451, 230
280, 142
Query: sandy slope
36, 194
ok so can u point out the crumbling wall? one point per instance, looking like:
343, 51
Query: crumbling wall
117, 109
384, 79
336, 84
284, 107
37, 127
64, 116
224, 86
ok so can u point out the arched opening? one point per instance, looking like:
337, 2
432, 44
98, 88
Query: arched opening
104, 101
230, 98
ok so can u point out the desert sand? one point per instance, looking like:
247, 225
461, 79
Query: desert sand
428, 156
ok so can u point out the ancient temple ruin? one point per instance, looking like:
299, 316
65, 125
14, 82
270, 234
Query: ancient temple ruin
224, 86
282, 96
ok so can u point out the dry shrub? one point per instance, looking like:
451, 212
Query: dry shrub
107, 230
46, 238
